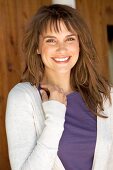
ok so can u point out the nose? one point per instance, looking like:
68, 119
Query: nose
61, 48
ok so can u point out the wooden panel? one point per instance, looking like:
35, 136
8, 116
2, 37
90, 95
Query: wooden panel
97, 13
13, 16
108, 8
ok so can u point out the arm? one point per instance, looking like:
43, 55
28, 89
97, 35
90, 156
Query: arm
26, 151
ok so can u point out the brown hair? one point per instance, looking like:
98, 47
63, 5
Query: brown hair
85, 75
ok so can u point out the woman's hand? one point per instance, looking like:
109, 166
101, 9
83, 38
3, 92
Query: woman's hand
55, 93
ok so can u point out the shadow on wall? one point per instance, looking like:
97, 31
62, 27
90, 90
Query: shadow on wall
110, 46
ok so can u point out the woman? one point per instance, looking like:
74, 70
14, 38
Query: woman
61, 115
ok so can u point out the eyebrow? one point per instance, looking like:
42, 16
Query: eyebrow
50, 36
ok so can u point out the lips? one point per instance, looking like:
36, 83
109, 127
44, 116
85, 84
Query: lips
61, 59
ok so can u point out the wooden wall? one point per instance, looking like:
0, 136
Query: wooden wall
14, 15
97, 14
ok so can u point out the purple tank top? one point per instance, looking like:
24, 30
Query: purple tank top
77, 144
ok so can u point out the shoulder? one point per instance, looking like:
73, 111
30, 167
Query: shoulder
22, 91
108, 106
111, 96
23, 87
111, 93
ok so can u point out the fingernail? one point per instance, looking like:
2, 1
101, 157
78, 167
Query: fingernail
41, 84
41, 91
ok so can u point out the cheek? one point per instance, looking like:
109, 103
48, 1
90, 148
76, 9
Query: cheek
46, 54
74, 48
46, 50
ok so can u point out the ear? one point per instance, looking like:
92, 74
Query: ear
38, 51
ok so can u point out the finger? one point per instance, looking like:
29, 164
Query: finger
46, 86
65, 102
50, 87
44, 95
61, 90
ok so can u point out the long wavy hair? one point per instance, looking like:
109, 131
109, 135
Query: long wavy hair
85, 75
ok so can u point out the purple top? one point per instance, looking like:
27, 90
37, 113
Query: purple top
77, 144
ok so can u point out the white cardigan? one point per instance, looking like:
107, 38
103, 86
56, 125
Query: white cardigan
34, 129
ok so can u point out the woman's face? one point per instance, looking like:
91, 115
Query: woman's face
59, 50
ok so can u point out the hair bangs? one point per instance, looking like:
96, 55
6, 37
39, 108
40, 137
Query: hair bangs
54, 24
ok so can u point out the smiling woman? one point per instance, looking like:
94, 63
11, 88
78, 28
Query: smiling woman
59, 51
60, 116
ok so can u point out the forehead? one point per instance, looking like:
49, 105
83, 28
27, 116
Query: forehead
57, 27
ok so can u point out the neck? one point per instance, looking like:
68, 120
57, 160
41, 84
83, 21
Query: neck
62, 80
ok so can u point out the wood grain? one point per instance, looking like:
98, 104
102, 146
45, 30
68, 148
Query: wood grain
14, 14
98, 14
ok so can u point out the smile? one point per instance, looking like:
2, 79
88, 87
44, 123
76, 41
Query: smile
63, 59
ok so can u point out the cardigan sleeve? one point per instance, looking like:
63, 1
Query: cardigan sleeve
26, 151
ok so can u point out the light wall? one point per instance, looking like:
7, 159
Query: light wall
66, 2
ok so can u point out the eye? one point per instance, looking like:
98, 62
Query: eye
50, 41
70, 39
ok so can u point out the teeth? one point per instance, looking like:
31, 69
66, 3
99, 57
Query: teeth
61, 59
